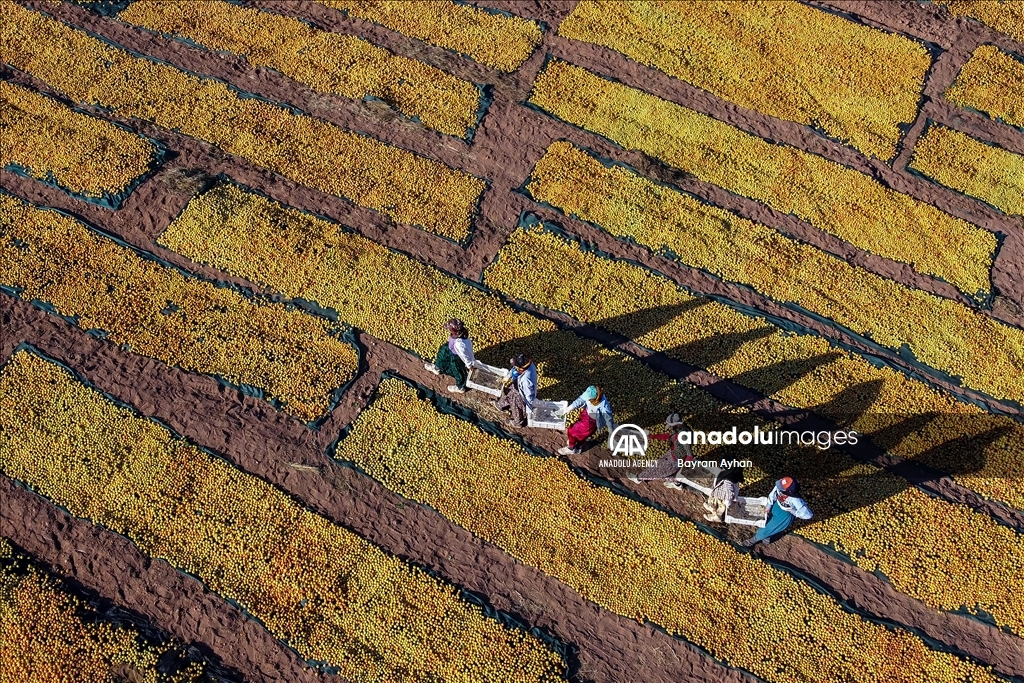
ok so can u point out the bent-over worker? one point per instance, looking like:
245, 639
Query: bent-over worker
520, 390
455, 357
723, 493
598, 415
784, 506
665, 468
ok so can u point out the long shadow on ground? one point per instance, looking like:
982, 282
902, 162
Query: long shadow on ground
644, 391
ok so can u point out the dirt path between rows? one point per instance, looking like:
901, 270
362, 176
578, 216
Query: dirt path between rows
264, 442
267, 443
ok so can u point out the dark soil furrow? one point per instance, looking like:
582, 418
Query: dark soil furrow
502, 156
954, 203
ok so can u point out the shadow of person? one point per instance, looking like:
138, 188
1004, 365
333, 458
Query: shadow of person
852, 405
568, 363
640, 393
771, 379
704, 353
961, 440
967, 454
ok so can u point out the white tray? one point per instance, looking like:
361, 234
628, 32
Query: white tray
543, 414
749, 511
486, 378
699, 478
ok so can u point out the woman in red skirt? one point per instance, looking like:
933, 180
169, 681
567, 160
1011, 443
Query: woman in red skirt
598, 415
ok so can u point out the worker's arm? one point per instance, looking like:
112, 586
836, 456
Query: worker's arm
798, 508
464, 350
575, 404
528, 387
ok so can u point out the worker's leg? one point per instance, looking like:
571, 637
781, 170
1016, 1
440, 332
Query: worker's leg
505, 402
461, 373
444, 358
517, 404
451, 365
778, 521
581, 430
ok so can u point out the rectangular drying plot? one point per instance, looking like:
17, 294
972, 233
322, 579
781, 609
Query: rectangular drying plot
157, 311
318, 587
629, 558
834, 198
992, 82
400, 300
500, 41
798, 370
958, 161
855, 83
942, 334
332, 63
82, 154
45, 632
403, 186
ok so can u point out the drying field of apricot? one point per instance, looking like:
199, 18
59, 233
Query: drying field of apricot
232, 232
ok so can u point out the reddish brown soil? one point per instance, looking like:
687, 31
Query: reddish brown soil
508, 142
264, 442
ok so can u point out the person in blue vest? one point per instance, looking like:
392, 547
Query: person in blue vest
784, 505
520, 390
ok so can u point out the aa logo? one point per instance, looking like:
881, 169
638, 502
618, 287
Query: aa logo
629, 441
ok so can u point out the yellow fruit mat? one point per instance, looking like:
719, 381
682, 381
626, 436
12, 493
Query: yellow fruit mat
112, 201
920, 371
345, 333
